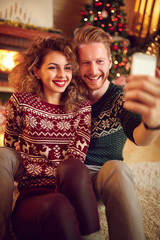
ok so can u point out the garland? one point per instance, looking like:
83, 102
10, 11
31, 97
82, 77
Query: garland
28, 26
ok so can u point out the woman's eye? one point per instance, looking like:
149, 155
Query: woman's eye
68, 68
52, 67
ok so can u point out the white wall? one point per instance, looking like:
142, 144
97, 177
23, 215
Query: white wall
34, 12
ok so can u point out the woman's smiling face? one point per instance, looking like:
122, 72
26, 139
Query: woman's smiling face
55, 74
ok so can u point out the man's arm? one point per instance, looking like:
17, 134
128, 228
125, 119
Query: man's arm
142, 95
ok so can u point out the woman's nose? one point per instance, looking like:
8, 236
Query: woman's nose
60, 73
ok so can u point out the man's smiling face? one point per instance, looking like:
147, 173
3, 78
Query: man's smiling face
94, 64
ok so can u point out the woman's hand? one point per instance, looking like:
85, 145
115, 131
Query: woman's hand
17, 146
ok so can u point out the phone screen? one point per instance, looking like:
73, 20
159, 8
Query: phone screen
143, 64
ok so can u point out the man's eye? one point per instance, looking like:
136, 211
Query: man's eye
100, 61
84, 63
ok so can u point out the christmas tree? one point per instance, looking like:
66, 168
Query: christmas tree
110, 16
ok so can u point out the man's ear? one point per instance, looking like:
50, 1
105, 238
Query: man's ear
110, 62
36, 72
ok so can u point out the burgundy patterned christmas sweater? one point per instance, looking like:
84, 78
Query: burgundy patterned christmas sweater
47, 136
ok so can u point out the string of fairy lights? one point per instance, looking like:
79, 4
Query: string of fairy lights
153, 47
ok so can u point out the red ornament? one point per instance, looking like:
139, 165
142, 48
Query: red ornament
120, 25
111, 29
87, 24
82, 13
111, 8
124, 48
115, 48
97, 4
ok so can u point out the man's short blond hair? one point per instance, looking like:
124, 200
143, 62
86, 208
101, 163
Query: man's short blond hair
90, 34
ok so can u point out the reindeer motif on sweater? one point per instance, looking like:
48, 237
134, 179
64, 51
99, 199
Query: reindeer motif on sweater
47, 135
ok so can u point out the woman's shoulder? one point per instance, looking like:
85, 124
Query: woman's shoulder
24, 97
84, 105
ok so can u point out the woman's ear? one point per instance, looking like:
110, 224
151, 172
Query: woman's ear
36, 72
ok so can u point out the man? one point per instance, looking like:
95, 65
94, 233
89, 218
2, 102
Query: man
112, 179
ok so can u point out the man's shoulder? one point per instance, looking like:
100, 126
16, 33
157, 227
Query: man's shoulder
112, 95
115, 90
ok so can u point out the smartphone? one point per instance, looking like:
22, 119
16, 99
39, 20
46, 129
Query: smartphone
143, 64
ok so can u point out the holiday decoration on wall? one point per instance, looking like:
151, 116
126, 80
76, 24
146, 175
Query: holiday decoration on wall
37, 12
110, 16
28, 14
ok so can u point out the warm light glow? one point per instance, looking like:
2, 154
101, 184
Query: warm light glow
118, 74
1, 139
146, 17
8, 60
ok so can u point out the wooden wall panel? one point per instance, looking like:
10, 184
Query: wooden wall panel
129, 9
67, 14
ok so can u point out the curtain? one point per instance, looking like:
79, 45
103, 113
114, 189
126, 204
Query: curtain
143, 17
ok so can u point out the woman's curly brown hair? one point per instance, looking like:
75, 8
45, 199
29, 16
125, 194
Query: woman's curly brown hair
22, 78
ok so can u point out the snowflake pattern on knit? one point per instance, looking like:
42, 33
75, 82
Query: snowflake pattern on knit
111, 125
107, 121
47, 135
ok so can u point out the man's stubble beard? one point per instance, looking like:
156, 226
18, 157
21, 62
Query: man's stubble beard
92, 87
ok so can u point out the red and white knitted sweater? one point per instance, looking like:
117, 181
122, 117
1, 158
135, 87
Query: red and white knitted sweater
47, 136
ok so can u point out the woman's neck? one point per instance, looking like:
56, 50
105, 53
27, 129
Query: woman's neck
53, 99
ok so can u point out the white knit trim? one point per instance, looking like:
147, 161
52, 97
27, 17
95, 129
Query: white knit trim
92, 236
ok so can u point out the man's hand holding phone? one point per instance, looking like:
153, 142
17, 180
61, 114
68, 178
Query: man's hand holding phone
142, 91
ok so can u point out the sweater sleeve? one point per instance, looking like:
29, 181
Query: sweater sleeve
80, 143
13, 122
129, 120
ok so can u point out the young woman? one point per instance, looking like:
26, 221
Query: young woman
50, 116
